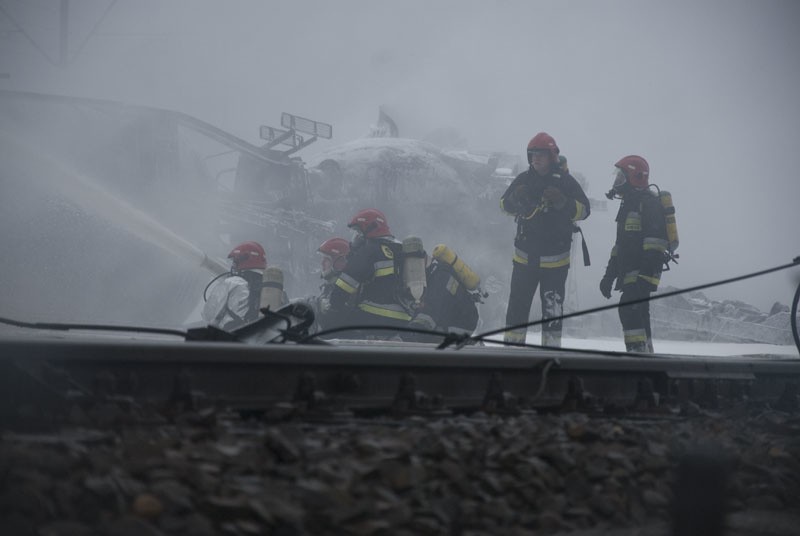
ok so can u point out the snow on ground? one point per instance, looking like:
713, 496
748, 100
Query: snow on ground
686, 347
678, 347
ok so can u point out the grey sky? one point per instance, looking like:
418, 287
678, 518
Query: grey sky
706, 91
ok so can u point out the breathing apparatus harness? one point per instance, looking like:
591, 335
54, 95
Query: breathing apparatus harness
254, 295
223, 274
669, 219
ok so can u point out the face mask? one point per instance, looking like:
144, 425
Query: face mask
327, 265
618, 184
358, 239
619, 179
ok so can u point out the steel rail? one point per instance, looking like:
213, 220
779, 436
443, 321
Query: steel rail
52, 374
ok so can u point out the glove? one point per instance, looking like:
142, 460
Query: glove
605, 286
524, 195
523, 199
554, 197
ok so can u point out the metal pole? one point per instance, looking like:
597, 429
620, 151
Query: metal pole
64, 33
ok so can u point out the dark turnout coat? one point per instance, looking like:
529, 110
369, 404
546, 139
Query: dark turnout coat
544, 232
641, 244
370, 282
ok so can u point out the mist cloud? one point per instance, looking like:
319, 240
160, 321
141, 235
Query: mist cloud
705, 91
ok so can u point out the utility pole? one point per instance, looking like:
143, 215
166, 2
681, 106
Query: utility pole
63, 42
63, 58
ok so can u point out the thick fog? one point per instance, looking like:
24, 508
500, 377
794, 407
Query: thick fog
705, 91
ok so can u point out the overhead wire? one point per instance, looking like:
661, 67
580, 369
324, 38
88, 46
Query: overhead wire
91, 327
460, 339
795, 262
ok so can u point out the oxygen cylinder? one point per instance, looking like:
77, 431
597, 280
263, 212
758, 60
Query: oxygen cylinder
464, 273
669, 215
414, 278
562, 164
272, 289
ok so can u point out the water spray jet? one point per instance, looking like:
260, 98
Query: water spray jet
92, 198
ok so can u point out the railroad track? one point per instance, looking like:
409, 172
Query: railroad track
43, 380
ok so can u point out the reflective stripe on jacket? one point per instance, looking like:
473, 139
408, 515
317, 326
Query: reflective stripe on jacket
370, 281
544, 230
638, 253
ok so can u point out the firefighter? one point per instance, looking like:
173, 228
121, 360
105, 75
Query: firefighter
637, 257
447, 304
334, 253
366, 291
545, 201
236, 299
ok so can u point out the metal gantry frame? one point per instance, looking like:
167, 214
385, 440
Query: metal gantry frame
64, 57
290, 137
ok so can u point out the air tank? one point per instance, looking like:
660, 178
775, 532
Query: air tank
463, 273
272, 288
414, 278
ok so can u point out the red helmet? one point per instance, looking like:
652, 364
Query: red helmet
635, 169
543, 142
248, 256
334, 251
371, 222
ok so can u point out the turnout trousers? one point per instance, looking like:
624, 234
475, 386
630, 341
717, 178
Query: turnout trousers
524, 281
635, 320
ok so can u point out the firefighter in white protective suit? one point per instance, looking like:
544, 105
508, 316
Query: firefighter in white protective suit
237, 298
